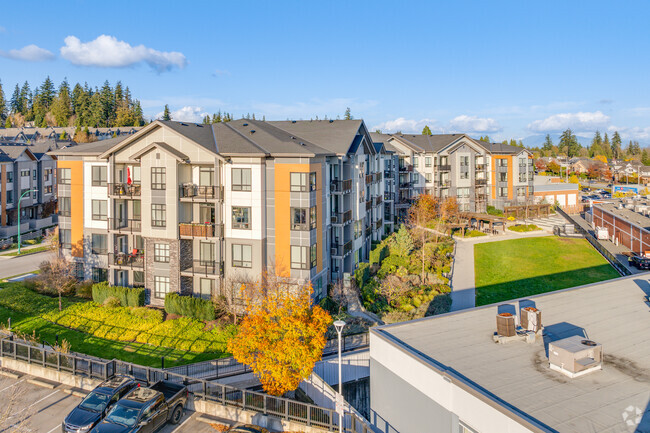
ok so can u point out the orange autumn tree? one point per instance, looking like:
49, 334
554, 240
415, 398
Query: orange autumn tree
421, 212
282, 335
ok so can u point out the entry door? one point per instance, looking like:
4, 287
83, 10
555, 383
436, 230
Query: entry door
122, 278
122, 244
121, 214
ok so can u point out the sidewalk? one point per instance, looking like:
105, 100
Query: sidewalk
23, 248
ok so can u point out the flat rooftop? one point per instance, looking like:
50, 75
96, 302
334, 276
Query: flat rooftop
612, 313
628, 214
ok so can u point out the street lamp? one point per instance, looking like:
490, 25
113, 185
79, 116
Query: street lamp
339, 325
21, 197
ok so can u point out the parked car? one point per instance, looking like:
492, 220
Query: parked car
640, 262
96, 404
246, 428
145, 410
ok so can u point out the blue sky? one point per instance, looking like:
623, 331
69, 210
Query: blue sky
505, 68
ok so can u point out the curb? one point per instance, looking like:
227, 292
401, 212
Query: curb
43, 383
9, 374
75, 392
22, 255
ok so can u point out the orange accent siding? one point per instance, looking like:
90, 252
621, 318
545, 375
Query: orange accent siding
511, 177
494, 178
76, 205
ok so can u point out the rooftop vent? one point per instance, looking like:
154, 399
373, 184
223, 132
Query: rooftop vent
245, 124
184, 124
331, 121
575, 356
252, 131
293, 121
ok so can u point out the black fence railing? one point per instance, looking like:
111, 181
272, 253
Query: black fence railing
101, 369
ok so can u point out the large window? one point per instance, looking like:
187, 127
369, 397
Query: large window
503, 192
299, 257
428, 177
427, 161
160, 286
161, 253
206, 285
416, 161
158, 215
10, 196
302, 182
99, 244
138, 278
65, 176
24, 173
464, 161
137, 211
502, 162
206, 253
206, 176
503, 177
313, 255
241, 218
300, 218
521, 191
65, 238
100, 210
158, 178
64, 205
462, 192
100, 275
241, 179
242, 256
99, 174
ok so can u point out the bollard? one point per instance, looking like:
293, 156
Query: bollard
162, 362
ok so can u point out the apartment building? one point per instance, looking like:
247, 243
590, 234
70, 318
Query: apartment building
195, 208
511, 175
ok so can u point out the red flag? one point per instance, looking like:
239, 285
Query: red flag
128, 176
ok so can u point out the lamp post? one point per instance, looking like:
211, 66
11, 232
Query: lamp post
21, 197
338, 325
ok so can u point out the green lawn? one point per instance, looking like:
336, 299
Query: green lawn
24, 251
524, 267
26, 310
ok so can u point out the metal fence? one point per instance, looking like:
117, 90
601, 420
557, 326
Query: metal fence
225, 395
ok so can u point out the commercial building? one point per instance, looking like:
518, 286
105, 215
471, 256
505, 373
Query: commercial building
626, 222
446, 373
200, 208
553, 190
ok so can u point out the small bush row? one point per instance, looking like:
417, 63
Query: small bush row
197, 308
128, 297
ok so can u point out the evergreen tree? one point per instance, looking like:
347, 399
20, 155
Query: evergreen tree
8, 122
348, 114
426, 130
166, 114
25, 101
569, 142
616, 145
138, 116
645, 157
14, 104
62, 105
96, 111
513, 142
3, 104
607, 146
119, 94
596, 147
520, 143
47, 94
107, 98
548, 143
485, 139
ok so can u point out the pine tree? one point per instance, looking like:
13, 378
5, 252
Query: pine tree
8, 122
548, 143
26, 102
14, 104
426, 130
616, 146
596, 147
485, 139
513, 142
348, 114
166, 114
3, 104
569, 141
138, 116
520, 143
107, 98
47, 94
62, 105
607, 146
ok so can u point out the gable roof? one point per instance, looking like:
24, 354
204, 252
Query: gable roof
335, 136
15, 151
163, 146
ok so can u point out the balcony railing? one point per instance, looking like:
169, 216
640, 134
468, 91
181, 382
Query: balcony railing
338, 250
124, 225
445, 167
443, 183
379, 177
406, 168
201, 230
388, 173
378, 224
389, 196
480, 197
480, 167
341, 218
203, 267
405, 185
369, 178
341, 186
480, 181
132, 260
200, 192
124, 190
378, 200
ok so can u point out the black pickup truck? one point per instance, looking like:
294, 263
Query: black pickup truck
145, 409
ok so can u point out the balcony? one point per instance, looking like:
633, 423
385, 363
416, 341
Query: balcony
378, 224
406, 168
388, 173
389, 196
200, 230
203, 267
480, 182
124, 190
124, 260
124, 225
338, 250
405, 185
378, 177
446, 183
480, 167
378, 200
502, 168
341, 186
369, 179
480, 197
192, 192
341, 218
445, 167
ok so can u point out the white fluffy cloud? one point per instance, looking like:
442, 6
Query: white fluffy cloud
408, 126
464, 123
30, 53
187, 114
581, 121
106, 51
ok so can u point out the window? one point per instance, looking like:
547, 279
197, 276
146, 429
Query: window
138, 242
415, 161
10, 196
206, 214
241, 218
464, 161
462, 192
503, 177
136, 174
530, 175
206, 253
416, 177
206, 176
64, 206
205, 288
138, 278
503, 192
99, 244
464, 175
299, 219
10, 176
313, 254
521, 191
522, 177
99, 174
34, 174
100, 275
160, 286
48, 189
242, 256
299, 182
24, 173
502, 162
34, 194
46, 174
158, 178
65, 176
65, 238
158, 215
79, 271
100, 210
137, 211
318, 288
161, 253
241, 179
427, 161
312, 217
428, 177
299, 257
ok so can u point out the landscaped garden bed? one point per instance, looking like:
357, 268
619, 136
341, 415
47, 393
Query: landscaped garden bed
524, 228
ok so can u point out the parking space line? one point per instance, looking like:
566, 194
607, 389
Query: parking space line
47, 396
181, 425
11, 386
58, 426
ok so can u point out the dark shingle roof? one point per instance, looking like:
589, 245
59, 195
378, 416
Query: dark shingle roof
333, 135
428, 143
94, 148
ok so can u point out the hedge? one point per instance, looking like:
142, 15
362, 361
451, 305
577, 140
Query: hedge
190, 306
362, 275
378, 254
129, 297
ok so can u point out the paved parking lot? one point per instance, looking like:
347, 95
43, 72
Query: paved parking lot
43, 409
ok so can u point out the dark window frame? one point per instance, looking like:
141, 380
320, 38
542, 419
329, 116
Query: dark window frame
158, 178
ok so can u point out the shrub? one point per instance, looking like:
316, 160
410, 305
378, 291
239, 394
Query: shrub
190, 306
128, 297
362, 275
523, 228
111, 302
84, 289
378, 254
491, 210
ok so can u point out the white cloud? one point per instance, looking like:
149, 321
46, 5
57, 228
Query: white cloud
187, 114
464, 123
580, 121
402, 124
631, 133
30, 53
107, 52
218, 72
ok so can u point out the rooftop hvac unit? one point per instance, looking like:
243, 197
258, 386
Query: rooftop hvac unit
575, 356
531, 319
506, 325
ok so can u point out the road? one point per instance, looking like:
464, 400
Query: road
10, 266
43, 410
